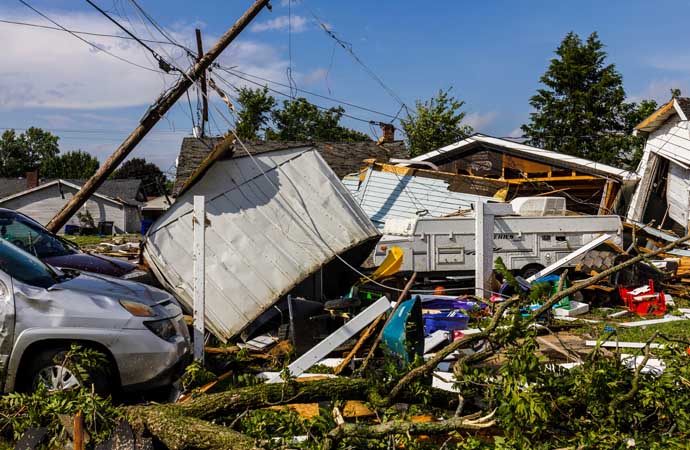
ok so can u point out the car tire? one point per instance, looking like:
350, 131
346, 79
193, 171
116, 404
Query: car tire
530, 269
47, 366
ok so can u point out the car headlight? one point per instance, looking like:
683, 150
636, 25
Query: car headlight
164, 329
137, 309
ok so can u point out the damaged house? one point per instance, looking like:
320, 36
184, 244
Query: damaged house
450, 179
662, 194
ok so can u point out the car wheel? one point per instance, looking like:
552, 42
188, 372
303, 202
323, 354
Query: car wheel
530, 269
50, 368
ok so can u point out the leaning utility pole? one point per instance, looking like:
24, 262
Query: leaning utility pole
202, 79
154, 114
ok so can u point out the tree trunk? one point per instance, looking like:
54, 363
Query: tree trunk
178, 431
354, 430
263, 395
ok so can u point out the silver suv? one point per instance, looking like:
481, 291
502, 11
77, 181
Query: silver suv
43, 311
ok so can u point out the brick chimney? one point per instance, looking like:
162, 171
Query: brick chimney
388, 131
32, 179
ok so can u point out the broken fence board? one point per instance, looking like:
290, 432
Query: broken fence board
644, 323
614, 344
338, 337
565, 260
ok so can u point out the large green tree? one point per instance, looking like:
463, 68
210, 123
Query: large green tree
153, 179
299, 120
71, 165
20, 153
435, 123
255, 112
581, 109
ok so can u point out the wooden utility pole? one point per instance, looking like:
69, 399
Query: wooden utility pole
202, 79
157, 110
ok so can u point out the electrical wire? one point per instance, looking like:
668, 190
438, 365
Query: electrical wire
163, 64
288, 96
160, 29
85, 33
325, 97
349, 49
25, 3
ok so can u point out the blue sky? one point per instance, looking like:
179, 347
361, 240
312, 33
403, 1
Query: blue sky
491, 52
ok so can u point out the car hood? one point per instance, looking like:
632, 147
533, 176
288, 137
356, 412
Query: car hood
89, 262
102, 285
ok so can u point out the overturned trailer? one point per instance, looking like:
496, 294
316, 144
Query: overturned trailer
273, 219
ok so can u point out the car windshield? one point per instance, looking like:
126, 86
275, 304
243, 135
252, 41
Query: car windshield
25, 267
31, 236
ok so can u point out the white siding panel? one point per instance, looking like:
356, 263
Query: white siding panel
268, 231
677, 193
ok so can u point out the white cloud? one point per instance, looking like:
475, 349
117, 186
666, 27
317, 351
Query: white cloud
660, 90
53, 69
314, 76
516, 133
298, 25
479, 121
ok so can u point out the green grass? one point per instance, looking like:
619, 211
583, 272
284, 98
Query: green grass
95, 240
676, 330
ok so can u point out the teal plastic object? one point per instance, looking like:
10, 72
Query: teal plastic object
403, 336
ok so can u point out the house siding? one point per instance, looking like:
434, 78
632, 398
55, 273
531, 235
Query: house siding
43, 204
671, 142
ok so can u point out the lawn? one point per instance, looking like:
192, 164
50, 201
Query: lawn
95, 240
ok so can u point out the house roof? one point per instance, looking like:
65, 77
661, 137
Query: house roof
124, 191
127, 189
678, 105
342, 157
534, 153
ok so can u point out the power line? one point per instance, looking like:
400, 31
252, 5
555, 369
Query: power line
62, 130
325, 97
348, 48
163, 64
86, 33
23, 2
159, 28
289, 96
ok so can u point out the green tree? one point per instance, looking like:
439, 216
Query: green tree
71, 165
435, 123
152, 178
254, 115
299, 120
26, 151
581, 109
636, 113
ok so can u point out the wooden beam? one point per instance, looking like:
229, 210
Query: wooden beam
202, 79
154, 114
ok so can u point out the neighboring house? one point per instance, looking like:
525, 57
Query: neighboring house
116, 201
485, 164
343, 157
662, 194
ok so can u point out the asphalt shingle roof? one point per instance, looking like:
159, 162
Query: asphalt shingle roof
343, 157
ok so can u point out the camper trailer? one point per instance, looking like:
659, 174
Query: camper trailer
538, 234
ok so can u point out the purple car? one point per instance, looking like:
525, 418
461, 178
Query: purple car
31, 236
